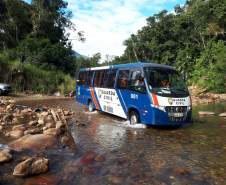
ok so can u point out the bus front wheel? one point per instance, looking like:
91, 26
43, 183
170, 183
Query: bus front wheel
133, 117
90, 106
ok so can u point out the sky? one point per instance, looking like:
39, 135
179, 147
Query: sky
107, 23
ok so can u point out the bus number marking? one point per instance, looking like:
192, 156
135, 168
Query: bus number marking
134, 96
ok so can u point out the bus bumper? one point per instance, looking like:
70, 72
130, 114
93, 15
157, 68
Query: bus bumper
162, 118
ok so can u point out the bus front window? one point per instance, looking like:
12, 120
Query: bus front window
164, 81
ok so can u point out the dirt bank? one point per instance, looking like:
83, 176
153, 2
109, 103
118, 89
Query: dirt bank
200, 96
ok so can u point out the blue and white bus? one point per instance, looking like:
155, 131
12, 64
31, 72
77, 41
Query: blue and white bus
145, 93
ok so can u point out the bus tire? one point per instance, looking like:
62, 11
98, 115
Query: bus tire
133, 117
90, 106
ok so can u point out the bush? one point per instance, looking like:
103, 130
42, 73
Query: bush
31, 77
210, 69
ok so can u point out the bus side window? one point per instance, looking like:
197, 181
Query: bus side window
137, 81
110, 79
123, 78
89, 78
82, 78
96, 78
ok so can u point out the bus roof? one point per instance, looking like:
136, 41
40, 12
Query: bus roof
128, 65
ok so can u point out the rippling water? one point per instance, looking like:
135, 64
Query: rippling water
192, 154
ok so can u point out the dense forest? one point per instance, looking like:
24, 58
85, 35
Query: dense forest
192, 38
36, 53
35, 50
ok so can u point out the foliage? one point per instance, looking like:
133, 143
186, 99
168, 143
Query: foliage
181, 39
210, 69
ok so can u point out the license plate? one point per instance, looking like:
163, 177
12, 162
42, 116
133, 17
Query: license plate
176, 115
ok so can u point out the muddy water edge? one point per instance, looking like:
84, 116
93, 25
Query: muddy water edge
109, 152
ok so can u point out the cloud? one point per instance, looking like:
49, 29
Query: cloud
107, 23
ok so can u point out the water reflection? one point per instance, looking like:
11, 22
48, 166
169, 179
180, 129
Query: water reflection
194, 154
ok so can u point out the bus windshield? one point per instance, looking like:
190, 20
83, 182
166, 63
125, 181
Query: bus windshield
165, 81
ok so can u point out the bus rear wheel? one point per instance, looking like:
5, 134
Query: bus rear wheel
90, 106
133, 117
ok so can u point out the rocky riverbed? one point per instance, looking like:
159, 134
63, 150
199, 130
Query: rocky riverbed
54, 141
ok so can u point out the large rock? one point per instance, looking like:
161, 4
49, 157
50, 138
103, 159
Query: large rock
31, 166
34, 142
5, 155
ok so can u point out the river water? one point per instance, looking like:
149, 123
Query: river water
192, 154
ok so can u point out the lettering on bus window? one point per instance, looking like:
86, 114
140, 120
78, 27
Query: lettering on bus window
136, 82
123, 79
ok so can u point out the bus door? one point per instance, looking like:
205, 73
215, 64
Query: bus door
133, 90
83, 84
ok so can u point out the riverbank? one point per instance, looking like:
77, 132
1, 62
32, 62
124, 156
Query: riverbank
200, 96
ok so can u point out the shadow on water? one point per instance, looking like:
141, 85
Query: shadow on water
191, 154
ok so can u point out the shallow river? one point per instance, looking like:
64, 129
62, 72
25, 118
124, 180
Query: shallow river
193, 154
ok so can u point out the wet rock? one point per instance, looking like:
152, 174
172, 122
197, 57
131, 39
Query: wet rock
5, 156
15, 134
222, 114
206, 113
34, 142
115, 179
31, 166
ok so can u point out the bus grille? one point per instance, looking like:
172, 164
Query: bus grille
176, 113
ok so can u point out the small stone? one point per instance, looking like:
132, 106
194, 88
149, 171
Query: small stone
40, 122
33, 123
115, 179
182, 171
50, 125
222, 114
99, 158
31, 166
51, 131
206, 113
5, 156
44, 114
1, 127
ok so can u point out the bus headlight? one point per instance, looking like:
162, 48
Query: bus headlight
189, 107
